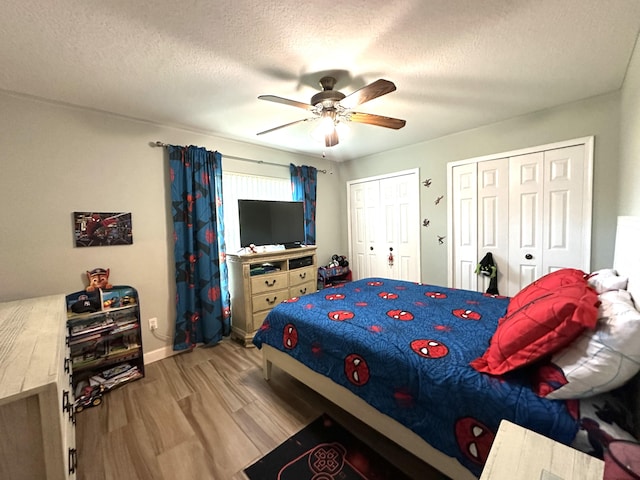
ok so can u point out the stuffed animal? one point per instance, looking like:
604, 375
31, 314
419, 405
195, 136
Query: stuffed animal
488, 268
98, 278
338, 261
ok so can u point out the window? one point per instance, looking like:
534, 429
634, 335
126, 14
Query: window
236, 186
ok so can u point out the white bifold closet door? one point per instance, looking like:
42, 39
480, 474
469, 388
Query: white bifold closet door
532, 211
384, 219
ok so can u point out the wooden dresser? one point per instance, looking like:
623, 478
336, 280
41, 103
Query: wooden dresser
37, 419
260, 281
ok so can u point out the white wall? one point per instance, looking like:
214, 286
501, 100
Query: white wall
597, 116
629, 199
58, 159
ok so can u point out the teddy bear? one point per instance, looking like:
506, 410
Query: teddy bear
98, 278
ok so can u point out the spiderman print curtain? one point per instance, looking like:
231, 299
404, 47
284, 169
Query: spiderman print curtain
303, 185
202, 289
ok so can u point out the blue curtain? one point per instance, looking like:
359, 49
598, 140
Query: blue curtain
304, 181
202, 285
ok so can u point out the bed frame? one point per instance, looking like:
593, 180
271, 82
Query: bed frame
626, 262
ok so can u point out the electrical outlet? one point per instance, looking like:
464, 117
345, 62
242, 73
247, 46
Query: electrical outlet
153, 323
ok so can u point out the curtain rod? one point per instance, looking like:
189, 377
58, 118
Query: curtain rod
161, 144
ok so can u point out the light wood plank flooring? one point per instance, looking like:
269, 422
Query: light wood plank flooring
207, 414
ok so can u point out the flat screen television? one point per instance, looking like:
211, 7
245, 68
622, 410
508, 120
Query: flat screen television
271, 222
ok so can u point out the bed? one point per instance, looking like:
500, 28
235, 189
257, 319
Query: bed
399, 355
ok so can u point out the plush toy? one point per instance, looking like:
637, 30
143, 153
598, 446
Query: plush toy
488, 268
98, 278
338, 261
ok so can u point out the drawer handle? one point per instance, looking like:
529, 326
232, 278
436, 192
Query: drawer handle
303, 275
73, 460
266, 282
303, 291
65, 401
66, 365
271, 302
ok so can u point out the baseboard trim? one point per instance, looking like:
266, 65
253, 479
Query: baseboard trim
159, 354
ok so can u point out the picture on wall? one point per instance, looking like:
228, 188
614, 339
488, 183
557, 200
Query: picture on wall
94, 229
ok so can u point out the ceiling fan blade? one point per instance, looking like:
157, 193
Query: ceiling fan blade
378, 120
286, 101
285, 125
331, 139
368, 92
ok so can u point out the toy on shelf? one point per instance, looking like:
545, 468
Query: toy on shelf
98, 279
338, 261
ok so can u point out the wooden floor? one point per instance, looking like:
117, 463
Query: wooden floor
207, 414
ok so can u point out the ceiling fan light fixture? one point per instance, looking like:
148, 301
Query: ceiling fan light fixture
325, 127
327, 124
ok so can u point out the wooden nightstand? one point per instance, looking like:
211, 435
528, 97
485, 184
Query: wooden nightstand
520, 454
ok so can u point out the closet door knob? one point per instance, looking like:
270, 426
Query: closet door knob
371, 248
528, 256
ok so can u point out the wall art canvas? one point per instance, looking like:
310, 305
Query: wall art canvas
95, 229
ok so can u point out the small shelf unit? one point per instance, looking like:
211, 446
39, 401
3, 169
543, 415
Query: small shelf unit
105, 339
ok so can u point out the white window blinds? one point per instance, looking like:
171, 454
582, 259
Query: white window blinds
236, 186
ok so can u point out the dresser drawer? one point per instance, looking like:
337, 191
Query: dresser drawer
303, 289
302, 275
266, 301
268, 282
258, 319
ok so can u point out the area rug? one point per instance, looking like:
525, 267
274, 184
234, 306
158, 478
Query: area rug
323, 450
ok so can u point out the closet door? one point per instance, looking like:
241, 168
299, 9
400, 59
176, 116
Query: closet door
493, 226
366, 254
548, 202
526, 222
384, 219
530, 208
567, 238
465, 226
480, 222
399, 234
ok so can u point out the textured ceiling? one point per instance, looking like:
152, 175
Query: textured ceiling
201, 65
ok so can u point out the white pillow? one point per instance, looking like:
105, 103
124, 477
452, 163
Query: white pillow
604, 359
607, 279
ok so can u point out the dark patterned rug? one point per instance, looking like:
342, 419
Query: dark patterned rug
323, 450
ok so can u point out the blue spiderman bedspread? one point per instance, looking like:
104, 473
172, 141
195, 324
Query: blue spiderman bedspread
405, 349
